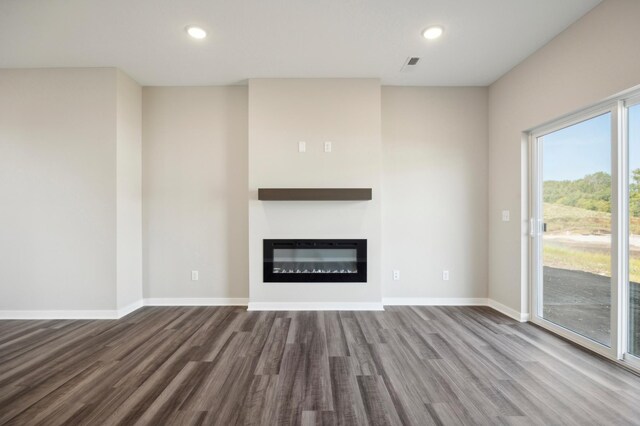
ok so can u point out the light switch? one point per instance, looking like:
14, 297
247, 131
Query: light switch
195, 276
505, 215
327, 146
302, 146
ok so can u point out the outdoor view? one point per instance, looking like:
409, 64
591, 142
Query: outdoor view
577, 242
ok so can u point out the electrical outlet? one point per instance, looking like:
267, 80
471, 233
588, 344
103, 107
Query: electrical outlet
327, 146
396, 275
195, 276
445, 275
302, 146
505, 215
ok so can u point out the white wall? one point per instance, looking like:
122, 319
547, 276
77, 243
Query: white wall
129, 191
345, 112
435, 178
593, 59
195, 192
57, 189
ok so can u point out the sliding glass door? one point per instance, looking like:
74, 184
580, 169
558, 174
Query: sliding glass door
573, 227
585, 228
576, 228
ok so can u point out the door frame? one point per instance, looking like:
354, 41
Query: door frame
618, 267
624, 355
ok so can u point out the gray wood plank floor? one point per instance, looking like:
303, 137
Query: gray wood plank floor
224, 365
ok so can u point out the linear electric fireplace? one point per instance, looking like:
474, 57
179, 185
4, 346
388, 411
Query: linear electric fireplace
315, 261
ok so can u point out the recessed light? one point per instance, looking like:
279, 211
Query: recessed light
433, 33
196, 32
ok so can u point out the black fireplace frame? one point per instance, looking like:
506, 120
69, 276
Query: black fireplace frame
270, 277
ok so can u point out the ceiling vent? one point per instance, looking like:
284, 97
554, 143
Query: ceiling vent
410, 63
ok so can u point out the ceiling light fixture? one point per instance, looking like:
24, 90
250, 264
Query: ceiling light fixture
196, 32
433, 33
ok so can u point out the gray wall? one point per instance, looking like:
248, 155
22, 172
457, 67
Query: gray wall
593, 59
434, 144
195, 192
58, 189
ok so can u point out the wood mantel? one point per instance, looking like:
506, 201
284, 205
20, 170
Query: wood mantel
314, 194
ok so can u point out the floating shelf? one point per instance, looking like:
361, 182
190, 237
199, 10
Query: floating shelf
314, 194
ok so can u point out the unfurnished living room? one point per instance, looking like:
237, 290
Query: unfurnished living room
329, 212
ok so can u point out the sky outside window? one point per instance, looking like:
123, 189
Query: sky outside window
579, 150
584, 148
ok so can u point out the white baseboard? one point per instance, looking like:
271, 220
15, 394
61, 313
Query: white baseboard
119, 313
262, 306
433, 301
72, 314
196, 301
512, 313
59, 314
130, 308
315, 306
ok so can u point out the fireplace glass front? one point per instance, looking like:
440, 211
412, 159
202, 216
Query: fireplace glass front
315, 260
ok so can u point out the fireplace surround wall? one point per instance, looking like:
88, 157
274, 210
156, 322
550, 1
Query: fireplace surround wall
347, 113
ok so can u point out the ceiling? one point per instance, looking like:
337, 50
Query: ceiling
483, 39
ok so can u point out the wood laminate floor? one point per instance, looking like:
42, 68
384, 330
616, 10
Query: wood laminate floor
224, 365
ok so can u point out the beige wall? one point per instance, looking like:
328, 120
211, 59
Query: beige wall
129, 191
195, 192
434, 210
195, 166
282, 113
424, 143
57, 189
593, 59
68, 185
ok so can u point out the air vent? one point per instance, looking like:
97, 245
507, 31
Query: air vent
410, 63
